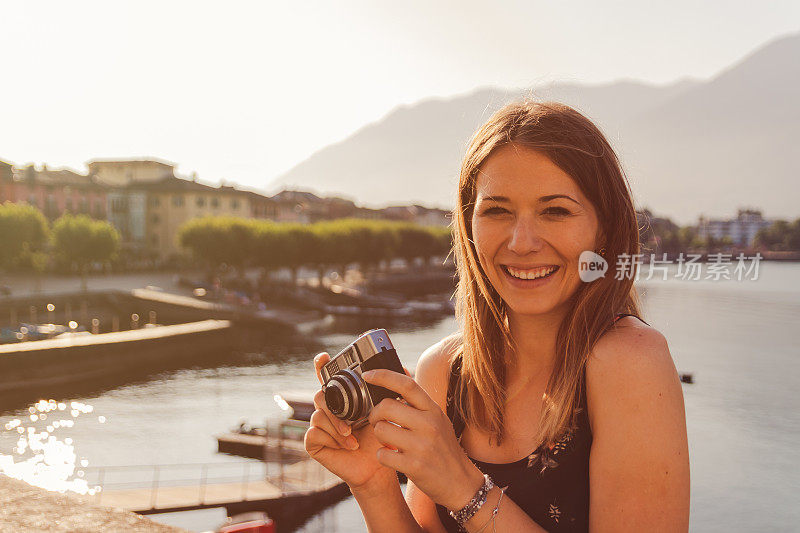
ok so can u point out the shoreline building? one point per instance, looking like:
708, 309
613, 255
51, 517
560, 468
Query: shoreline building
424, 216
173, 201
740, 230
147, 202
53, 191
127, 203
150, 203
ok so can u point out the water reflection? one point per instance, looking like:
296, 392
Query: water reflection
739, 338
41, 456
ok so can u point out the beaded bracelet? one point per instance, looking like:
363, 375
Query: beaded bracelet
468, 511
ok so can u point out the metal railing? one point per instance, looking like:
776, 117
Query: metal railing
156, 477
293, 479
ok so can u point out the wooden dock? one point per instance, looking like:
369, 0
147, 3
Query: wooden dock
288, 485
260, 446
182, 498
303, 485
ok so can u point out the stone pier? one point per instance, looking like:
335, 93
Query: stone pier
24, 508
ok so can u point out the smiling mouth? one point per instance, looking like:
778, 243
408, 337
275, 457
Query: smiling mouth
530, 274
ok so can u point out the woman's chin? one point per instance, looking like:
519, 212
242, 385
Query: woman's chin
527, 309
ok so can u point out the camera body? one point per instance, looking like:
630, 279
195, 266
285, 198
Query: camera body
347, 395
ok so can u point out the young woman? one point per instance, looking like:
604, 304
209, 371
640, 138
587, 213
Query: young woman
554, 408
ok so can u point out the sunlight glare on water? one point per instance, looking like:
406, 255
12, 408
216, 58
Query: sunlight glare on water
40, 457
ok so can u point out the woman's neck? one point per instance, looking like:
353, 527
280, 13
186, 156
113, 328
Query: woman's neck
535, 339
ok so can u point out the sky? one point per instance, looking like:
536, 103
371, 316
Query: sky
243, 91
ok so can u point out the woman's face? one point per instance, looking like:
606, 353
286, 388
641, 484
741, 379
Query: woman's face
530, 224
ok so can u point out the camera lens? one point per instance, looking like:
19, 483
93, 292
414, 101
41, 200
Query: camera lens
335, 400
346, 396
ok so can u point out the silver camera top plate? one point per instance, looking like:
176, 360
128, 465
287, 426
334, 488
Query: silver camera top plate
365, 346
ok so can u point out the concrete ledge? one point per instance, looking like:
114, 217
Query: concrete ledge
27, 508
135, 335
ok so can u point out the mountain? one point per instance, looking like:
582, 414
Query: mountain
726, 143
689, 147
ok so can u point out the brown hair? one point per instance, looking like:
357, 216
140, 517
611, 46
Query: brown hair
576, 146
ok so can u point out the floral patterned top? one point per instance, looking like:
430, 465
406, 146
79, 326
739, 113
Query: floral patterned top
551, 484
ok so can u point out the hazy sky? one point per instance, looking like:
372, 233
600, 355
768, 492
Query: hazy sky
242, 91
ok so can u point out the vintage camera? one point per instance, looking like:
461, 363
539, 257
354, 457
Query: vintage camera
347, 395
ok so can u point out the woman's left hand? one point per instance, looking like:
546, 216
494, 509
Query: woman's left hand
418, 440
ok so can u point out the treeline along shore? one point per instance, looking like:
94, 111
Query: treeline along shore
243, 243
79, 244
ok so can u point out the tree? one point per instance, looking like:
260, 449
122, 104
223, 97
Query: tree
793, 239
414, 242
377, 240
780, 236
442, 241
299, 247
80, 241
23, 234
326, 244
336, 244
688, 239
220, 240
269, 248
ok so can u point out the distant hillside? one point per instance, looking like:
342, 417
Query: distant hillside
729, 142
690, 147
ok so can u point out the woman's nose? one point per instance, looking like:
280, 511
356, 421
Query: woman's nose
525, 238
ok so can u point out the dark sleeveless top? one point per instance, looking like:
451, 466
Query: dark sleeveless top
552, 483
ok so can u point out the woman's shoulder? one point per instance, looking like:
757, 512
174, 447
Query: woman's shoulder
630, 366
433, 367
639, 461
628, 344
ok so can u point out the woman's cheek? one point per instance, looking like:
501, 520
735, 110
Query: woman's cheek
481, 248
486, 265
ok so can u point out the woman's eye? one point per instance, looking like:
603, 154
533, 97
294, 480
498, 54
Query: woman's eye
558, 211
495, 211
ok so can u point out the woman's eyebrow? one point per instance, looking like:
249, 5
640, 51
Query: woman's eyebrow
495, 199
541, 199
554, 196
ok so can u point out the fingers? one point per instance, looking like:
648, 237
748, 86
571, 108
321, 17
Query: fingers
403, 385
342, 427
316, 439
393, 436
396, 460
321, 421
396, 412
319, 361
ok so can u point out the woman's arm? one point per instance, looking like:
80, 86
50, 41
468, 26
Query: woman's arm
435, 459
429, 454
384, 508
382, 502
351, 456
639, 463
432, 374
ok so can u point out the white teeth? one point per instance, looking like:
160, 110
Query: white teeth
530, 274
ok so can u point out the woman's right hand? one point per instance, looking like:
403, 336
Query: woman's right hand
330, 441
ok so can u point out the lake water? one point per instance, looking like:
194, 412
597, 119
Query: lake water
739, 338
